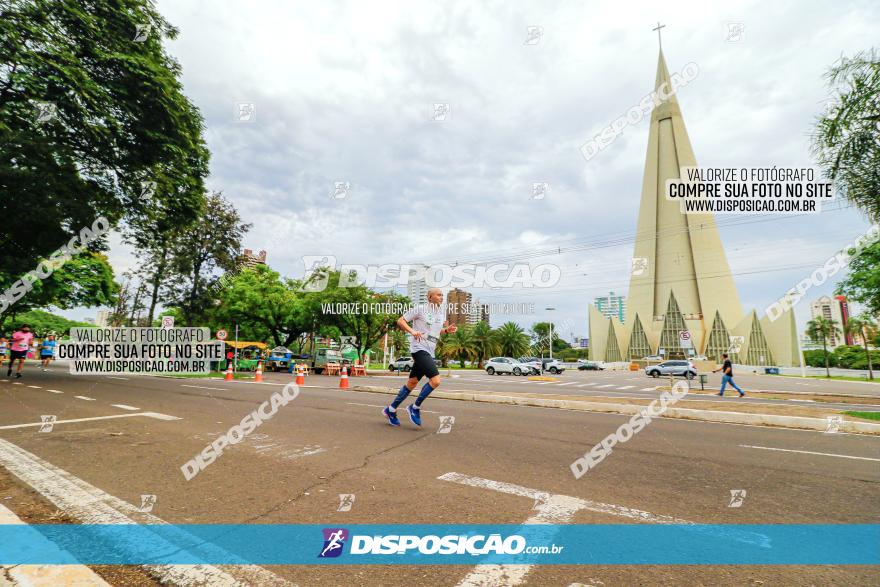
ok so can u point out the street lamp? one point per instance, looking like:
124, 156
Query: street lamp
551, 332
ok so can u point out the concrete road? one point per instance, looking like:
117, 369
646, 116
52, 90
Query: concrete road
128, 436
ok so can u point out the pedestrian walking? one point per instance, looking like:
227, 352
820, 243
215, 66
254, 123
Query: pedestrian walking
727, 376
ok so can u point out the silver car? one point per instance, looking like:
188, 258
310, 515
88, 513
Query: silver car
683, 368
499, 365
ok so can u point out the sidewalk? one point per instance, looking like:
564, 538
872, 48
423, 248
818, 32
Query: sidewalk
813, 417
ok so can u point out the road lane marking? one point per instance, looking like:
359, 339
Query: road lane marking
54, 391
626, 387
809, 452
608, 385
122, 378
82, 397
91, 505
649, 389
154, 415
570, 383
203, 387
551, 509
124, 407
35, 386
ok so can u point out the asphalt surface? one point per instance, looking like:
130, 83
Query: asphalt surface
329, 442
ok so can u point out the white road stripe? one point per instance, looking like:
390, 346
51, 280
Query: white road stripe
626, 387
90, 505
203, 387
35, 386
124, 407
809, 452
571, 383
584, 384
608, 385
54, 391
122, 378
649, 389
153, 415
551, 509
88, 399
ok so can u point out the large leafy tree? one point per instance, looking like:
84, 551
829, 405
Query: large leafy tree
461, 345
485, 342
210, 243
87, 114
862, 283
865, 327
846, 139
820, 329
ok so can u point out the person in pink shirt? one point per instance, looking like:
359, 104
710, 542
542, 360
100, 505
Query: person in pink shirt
21, 342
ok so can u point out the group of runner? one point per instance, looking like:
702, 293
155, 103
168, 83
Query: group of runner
20, 345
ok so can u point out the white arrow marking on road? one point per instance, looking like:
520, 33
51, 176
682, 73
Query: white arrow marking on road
124, 407
153, 415
551, 509
808, 452
90, 505
88, 399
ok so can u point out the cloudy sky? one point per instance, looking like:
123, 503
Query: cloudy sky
344, 91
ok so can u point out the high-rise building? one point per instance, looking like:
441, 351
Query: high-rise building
102, 318
612, 305
682, 300
250, 259
479, 312
417, 286
835, 309
459, 303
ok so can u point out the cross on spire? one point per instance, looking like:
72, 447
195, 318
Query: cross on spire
657, 28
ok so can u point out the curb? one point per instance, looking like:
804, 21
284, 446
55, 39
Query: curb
798, 422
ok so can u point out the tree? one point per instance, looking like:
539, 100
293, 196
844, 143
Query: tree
212, 242
820, 329
846, 140
461, 345
512, 339
865, 327
86, 115
485, 343
264, 306
862, 283
42, 323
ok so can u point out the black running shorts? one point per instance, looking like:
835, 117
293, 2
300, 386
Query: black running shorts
423, 365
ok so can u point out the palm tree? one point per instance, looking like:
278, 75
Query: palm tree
485, 343
512, 340
865, 327
821, 329
460, 344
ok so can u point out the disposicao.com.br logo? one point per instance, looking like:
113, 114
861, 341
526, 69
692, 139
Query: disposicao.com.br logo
394, 544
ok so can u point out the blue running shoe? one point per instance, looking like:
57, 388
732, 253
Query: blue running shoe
392, 417
415, 414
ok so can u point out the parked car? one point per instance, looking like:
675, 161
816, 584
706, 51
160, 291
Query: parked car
324, 356
402, 364
590, 366
533, 363
683, 368
499, 365
553, 366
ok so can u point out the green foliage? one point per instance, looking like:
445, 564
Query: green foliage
846, 140
512, 340
42, 322
118, 117
862, 283
816, 358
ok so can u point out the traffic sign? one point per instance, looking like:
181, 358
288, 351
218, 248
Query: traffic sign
221, 335
684, 339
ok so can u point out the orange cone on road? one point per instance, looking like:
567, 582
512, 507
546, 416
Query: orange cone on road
343, 378
228, 371
300, 379
258, 377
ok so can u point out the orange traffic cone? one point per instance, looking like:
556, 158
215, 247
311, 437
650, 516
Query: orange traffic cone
258, 377
228, 371
343, 378
300, 379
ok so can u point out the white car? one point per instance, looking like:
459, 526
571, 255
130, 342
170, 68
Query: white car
499, 365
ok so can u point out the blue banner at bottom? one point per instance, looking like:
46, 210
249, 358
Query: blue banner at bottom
412, 544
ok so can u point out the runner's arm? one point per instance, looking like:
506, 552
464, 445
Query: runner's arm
403, 325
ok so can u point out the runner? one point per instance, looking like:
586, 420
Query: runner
47, 350
4, 346
21, 340
429, 322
